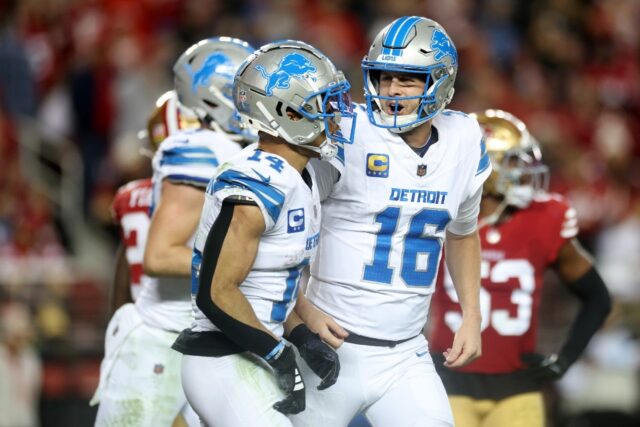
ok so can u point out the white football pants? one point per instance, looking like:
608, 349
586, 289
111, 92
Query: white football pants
140, 375
232, 391
393, 386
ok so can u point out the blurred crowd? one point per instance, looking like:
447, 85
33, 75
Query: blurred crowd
86, 73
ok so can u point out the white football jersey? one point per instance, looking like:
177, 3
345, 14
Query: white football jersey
291, 213
384, 223
187, 157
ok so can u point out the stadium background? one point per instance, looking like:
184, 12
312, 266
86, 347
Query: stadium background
79, 77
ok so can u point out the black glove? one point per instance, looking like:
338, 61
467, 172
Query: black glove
544, 368
289, 380
320, 357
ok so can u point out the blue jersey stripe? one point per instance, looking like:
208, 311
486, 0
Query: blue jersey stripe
483, 147
180, 151
189, 179
340, 153
279, 310
196, 262
484, 164
180, 161
271, 197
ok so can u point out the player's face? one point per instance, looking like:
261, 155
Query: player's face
394, 84
516, 167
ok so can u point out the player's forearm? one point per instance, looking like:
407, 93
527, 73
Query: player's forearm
169, 261
230, 311
233, 302
594, 308
293, 321
303, 306
463, 262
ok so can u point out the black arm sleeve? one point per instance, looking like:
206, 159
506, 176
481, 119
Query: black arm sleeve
245, 336
594, 309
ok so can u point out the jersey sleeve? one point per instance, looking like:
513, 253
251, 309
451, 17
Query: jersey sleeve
119, 201
268, 196
562, 224
467, 220
482, 165
478, 160
326, 176
186, 164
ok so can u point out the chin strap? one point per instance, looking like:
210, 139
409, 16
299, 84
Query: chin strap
495, 215
326, 150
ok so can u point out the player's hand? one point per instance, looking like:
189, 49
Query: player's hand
544, 368
320, 357
290, 381
324, 325
466, 345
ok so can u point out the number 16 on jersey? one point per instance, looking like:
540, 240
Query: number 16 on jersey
416, 242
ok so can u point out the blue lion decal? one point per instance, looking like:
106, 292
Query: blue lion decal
443, 47
292, 65
217, 62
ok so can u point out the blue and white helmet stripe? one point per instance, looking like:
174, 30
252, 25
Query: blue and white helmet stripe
397, 36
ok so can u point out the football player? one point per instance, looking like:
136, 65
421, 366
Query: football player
130, 207
409, 184
524, 231
259, 228
130, 210
147, 390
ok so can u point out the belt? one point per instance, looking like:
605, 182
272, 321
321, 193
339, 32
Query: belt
360, 340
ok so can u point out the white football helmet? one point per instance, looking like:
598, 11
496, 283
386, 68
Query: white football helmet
203, 77
518, 172
293, 76
416, 45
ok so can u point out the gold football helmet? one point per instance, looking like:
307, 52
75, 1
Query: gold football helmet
518, 172
168, 117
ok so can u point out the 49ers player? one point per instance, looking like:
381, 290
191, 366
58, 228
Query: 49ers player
523, 230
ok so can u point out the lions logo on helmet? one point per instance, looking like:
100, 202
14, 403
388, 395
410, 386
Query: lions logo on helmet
441, 43
292, 65
518, 172
204, 82
215, 63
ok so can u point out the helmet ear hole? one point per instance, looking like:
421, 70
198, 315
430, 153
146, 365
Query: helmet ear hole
293, 115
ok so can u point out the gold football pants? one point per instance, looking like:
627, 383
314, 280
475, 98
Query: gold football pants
521, 410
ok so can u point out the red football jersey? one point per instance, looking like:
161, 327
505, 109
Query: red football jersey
130, 210
515, 255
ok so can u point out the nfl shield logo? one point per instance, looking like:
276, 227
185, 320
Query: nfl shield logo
422, 170
158, 368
